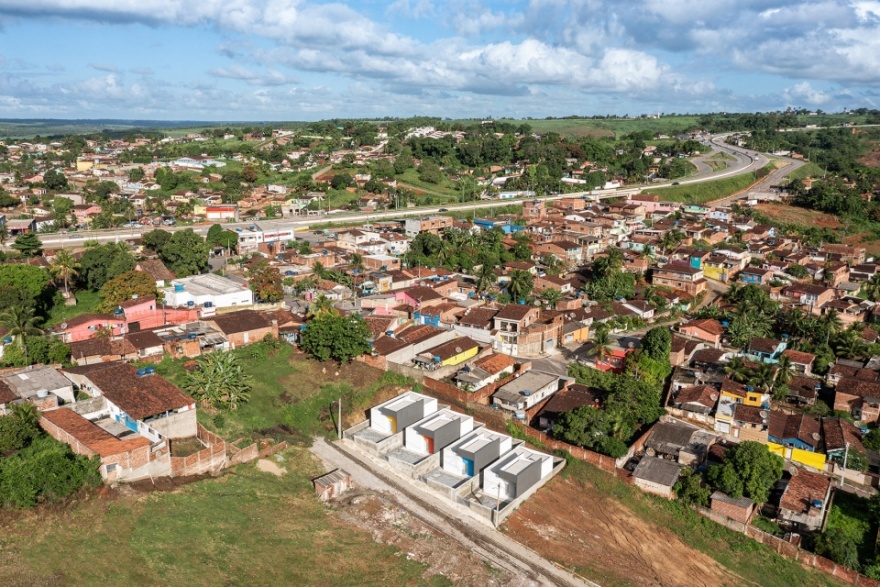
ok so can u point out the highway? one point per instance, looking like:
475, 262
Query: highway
746, 161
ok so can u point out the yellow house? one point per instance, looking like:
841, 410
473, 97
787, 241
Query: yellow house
452, 352
575, 332
719, 268
84, 164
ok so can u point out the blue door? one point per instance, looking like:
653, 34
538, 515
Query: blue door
131, 424
468, 466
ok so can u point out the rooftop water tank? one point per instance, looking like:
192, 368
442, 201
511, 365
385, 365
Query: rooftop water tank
178, 287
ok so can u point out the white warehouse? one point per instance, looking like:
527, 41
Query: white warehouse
209, 291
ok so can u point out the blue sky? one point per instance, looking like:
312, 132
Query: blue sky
307, 60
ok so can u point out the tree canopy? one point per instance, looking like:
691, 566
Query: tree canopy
124, 287
331, 336
185, 253
749, 470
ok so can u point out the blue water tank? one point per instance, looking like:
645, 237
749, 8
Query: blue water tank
817, 503
190, 303
178, 287
436, 359
191, 336
7, 339
209, 304
150, 370
141, 372
522, 302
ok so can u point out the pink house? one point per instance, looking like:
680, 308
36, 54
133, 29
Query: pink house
85, 211
86, 326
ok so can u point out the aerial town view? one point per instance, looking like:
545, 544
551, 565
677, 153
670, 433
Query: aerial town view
475, 293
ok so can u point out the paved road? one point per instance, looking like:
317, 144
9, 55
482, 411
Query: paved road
474, 535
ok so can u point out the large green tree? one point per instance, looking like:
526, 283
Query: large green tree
28, 244
331, 336
26, 278
102, 263
186, 253
265, 281
749, 470
124, 287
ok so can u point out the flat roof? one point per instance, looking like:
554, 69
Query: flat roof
208, 284
28, 383
403, 400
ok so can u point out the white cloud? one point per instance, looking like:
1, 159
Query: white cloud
804, 93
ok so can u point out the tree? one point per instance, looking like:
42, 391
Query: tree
551, 297
136, 173
520, 285
219, 381
102, 263
485, 277
871, 441
430, 172
185, 253
749, 470
838, 545
20, 323
157, 239
28, 244
64, 267
29, 279
55, 180
124, 287
341, 181
19, 428
4, 235
38, 350
657, 344
336, 337
601, 343
691, 490
321, 306
265, 281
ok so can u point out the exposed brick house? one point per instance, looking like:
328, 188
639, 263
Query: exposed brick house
682, 277
858, 397
740, 510
244, 327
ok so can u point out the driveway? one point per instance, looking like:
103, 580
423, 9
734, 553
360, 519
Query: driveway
441, 514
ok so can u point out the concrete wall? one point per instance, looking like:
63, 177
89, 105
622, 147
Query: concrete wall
179, 425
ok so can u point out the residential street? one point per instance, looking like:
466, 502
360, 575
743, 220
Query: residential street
492, 545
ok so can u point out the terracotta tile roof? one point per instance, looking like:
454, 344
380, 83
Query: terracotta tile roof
6, 394
858, 387
699, 394
708, 356
385, 345
139, 397
422, 294
453, 347
800, 426
514, 312
140, 300
572, 398
379, 325
803, 488
799, 357
764, 345
707, 324
144, 339
91, 435
728, 385
749, 414
241, 321
415, 334
478, 317
838, 432
803, 387
495, 363
101, 347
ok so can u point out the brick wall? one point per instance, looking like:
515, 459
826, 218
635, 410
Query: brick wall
211, 458
731, 511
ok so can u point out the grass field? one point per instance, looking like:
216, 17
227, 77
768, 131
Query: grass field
617, 127
807, 170
700, 193
86, 303
293, 396
446, 190
848, 516
244, 528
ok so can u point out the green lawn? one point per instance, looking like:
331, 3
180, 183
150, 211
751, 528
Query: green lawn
754, 562
293, 396
244, 528
446, 190
589, 127
807, 170
700, 193
849, 514
86, 303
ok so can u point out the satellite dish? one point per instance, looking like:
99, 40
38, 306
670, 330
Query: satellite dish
763, 414
63, 325
458, 350
630, 345
650, 452
713, 396
816, 436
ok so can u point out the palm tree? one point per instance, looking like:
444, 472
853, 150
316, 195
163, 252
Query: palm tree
64, 267
763, 377
219, 381
601, 343
321, 306
551, 297
520, 285
4, 235
737, 370
318, 269
872, 288
356, 261
485, 277
783, 372
20, 323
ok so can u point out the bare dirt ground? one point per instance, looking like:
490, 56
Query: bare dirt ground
872, 158
795, 215
267, 466
593, 532
389, 524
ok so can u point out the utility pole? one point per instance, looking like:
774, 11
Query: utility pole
845, 457
339, 419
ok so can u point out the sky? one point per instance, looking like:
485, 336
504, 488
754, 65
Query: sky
243, 60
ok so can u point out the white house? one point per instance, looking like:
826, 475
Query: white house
434, 433
475, 452
515, 473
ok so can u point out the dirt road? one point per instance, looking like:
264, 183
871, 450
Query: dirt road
528, 567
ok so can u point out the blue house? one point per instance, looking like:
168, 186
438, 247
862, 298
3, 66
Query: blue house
766, 350
506, 225
755, 275
794, 431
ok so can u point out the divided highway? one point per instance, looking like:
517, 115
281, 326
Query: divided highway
746, 161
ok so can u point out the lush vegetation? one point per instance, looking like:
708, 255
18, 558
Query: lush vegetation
36, 468
707, 191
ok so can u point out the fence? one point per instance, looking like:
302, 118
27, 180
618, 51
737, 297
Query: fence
212, 458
